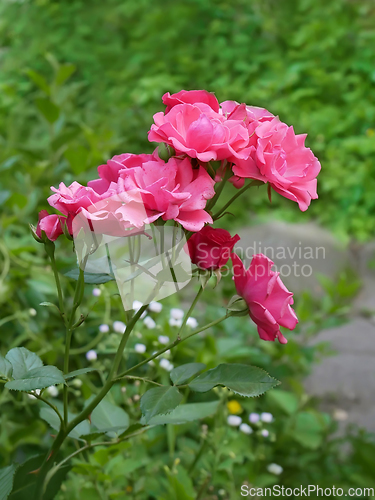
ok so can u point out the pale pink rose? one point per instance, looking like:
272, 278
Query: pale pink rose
138, 189
69, 200
268, 299
190, 97
199, 132
281, 158
52, 225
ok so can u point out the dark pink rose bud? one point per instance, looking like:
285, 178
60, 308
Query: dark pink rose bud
268, 299
52, 225
210, 248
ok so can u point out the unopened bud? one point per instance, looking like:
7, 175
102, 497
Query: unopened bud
165, 151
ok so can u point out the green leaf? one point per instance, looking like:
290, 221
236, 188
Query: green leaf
22, 361
77, 156
133, 428
37, 378
64, 72
48, 109
5, 368
308, 430
183, 373
185, 413
245, 380
159, 401
50, 416
6, 481
90, 278
39, 80
107, 415
25, 481
286, 400
76, 373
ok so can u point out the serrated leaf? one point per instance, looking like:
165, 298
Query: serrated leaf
110, 418
244, 380
37, 378
90, 278
6, 481
47, 108
22, 361
81, 371
5, 368
159, 401
183, 373
47, 414
185, 413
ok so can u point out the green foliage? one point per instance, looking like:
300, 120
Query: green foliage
244, 380
6, 481
159, 401
183, 373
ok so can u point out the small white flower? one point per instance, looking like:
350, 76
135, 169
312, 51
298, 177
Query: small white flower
340, 415
141, 348
91, 355
149, 323
177, 313
192, 322
254, 418
275, 469
155, 307
175, 322
166, 364
37, 391
96, 292
137, 305
151, 363
234, 420
103, 328
53, 391
119, 326
266, 417
32, 312
265, 433
163, 339
246, 429
77, 383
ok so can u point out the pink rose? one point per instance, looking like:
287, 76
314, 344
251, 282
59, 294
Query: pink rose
51, 224
210, 248
172, 190
190, 97
138, 189
281, 158
199, 132
268, 299
69, 200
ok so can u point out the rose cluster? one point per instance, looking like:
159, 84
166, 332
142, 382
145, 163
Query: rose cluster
207, 141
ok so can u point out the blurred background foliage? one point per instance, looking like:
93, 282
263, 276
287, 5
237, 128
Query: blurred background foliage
79, 82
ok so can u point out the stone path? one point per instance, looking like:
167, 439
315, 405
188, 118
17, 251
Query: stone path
345, 382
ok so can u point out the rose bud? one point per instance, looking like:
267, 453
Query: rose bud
210, 248
268, 299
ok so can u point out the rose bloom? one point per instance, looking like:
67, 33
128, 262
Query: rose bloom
199, 131
268, 299
190, 97
281, 158
143, 188
52, 225
210, 248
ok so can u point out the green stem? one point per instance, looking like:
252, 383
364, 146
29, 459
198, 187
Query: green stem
228, 173
239, 192
51, 253
188, 314
142, 379
173, 344
54, 408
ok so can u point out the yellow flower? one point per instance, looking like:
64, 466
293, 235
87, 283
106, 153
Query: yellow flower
234, 407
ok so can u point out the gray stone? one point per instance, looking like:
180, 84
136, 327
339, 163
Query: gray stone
300, 251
